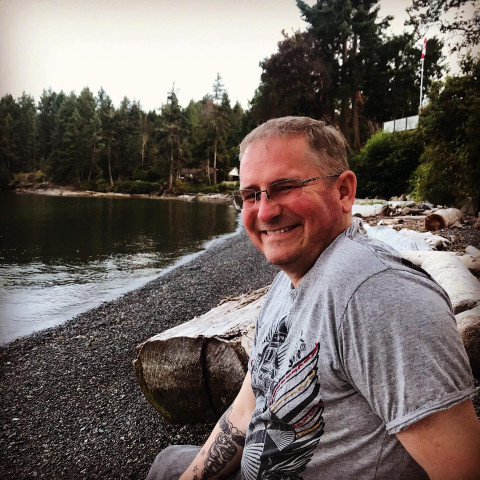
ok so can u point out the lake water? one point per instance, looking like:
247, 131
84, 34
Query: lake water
60, 256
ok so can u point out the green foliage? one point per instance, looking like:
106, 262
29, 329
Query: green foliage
137, 187
450, 167
28, 179
384, 166
459, 19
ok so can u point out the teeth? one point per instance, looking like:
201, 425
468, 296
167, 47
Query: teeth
276, 232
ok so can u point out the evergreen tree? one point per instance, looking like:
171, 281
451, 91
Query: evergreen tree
171, 136
9, 136
65, 164
88, 134
108, 120
294, 81
449, 170
48, 106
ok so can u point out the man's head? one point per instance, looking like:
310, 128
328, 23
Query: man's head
325, 144
299, 220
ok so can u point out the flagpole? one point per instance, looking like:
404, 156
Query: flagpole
422, 59
421, 86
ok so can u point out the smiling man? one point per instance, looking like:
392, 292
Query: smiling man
357, 369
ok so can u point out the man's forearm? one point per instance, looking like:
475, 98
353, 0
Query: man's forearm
222, 452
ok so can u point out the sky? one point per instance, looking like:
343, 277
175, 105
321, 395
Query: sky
143, 49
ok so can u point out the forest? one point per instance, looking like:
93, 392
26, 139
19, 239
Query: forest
344, 69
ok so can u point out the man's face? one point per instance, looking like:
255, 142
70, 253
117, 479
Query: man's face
292, 235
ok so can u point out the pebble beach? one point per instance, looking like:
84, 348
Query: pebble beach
70, 404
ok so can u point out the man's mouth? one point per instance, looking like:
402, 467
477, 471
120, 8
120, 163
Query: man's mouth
277, 232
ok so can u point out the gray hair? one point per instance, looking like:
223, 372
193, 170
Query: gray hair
325, 143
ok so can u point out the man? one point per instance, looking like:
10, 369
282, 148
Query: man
357, 369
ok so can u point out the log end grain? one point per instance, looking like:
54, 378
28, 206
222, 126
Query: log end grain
434, 222
191, 380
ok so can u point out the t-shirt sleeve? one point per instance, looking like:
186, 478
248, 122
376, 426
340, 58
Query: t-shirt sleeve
401, 349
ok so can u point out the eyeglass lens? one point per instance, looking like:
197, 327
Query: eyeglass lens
281, 191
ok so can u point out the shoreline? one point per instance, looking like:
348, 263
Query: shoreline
70, 402
58, 191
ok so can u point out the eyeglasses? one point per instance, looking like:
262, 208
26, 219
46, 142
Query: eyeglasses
283, 191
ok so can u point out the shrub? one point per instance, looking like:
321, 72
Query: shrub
384, 166
137, 187
450, 168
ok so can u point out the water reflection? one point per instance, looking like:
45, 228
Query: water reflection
61, 256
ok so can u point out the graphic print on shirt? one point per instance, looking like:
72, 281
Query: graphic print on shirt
289, 421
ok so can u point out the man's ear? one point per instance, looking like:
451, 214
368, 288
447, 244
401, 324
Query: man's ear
347, 187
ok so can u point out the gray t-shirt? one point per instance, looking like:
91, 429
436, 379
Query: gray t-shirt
365, 346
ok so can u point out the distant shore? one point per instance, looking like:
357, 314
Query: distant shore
59, 191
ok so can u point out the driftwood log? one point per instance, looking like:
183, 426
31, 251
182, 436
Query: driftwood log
192, 372
443, 218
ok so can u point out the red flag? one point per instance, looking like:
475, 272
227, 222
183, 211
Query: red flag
424, 49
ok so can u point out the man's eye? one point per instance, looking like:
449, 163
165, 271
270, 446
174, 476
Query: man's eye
248, 196
284, 187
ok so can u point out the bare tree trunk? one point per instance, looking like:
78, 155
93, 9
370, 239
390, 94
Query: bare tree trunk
109, 165
356, 129
215, 161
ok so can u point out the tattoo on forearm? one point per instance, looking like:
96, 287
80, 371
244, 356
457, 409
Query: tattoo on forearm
224, 447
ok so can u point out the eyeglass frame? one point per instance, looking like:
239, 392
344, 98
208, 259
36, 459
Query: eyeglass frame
258, 193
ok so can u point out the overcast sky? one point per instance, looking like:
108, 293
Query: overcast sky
140, 48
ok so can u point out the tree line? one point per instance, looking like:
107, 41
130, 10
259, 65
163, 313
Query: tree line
343, 69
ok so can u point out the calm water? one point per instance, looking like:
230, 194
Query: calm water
60, 256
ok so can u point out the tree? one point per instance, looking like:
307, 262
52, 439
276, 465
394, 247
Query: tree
219, 113
64, 159
88, 134
48, 106
108, 119
27, 130
9, 136
449, 168
392, 86
463, 21
294, 81
348, 38
171, 129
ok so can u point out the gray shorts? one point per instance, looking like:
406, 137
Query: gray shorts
174, 460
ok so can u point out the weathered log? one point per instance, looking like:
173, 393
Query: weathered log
443, 218
468, 324
462, 287
418, 257
406, 239
192, 372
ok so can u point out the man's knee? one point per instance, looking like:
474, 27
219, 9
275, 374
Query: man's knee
171, 462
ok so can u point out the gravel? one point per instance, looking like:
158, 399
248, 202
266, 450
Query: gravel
69, 400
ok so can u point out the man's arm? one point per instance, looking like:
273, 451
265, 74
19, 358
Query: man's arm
222, 452
446, 444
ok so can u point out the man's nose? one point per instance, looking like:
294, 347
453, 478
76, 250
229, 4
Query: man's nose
267, 209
